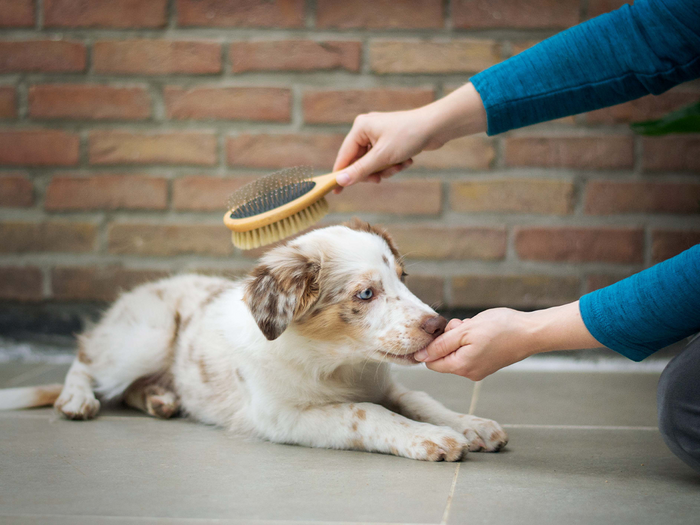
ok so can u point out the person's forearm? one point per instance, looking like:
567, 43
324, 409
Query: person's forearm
557, 328
458, 114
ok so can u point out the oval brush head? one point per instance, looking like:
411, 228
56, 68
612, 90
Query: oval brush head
276, 206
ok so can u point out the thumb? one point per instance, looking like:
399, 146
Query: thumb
440, 347
360, 169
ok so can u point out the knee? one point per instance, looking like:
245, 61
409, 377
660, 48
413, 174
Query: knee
679, 412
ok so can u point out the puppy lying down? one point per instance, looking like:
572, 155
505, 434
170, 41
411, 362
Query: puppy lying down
298, 352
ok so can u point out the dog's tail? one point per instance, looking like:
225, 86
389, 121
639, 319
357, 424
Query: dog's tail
29, 396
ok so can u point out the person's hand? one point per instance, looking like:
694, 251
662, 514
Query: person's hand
477, 347
380, 145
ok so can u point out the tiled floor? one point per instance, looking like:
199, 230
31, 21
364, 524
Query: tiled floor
584, 449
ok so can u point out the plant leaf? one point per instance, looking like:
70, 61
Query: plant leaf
685, 120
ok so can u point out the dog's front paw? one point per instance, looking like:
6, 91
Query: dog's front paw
77, 404
483, 434
437, 444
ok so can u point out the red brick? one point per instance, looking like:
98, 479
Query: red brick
173, 239
673, 153
205, 193
427, 288
45, 56
229, 103
338, 107
16, 13
596, 282
244, 13
515, 291
425, 56
645, 108
476, 152
89, 102
41, 147
396, 197
533, 14
283, 150
98, 283
122, 147
669, 243
611, 197
53, 236
295, 55
21, 284
106, 192
156, 57
379, 14
613, 245
598, 7
542, 196
8, 102
16, 191
520, 46
601, 152
450, 242
125, 14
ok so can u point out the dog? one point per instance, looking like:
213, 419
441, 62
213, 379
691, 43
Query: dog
298, 352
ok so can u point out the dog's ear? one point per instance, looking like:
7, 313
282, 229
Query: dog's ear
281, 288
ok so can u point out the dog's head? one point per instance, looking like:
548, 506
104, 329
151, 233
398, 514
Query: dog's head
342, 285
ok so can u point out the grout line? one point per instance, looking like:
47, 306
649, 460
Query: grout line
446, 514
476, 389
578, 427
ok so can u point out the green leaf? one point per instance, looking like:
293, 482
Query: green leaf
685, 120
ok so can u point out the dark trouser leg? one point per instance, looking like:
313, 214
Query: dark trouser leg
678, 400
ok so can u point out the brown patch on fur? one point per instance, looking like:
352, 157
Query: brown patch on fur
332, 323
83, 357
361, 414
354, 426
431, 448
450, 442
240, 376
215, 294
206, 376
46, 395
358, 444
394, 451
159, 293
176, 330
386, 261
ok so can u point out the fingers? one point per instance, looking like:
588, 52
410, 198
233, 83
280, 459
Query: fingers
454, 323
351, 148
440, 347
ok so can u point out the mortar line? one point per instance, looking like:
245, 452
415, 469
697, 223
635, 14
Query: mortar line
450, 496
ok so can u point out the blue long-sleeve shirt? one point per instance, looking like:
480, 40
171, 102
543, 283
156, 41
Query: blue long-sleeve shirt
639, 49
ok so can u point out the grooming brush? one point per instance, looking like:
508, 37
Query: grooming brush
276, 206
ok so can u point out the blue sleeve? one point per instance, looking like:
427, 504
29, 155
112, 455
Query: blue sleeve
645, 48
650, 310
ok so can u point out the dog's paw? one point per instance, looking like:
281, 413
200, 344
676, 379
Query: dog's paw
163, 406
483, 435
77, 404
437, 444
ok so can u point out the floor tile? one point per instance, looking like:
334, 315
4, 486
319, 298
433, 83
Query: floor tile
146, 467
548, 398
577, 477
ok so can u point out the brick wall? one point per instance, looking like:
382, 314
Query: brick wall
125, 124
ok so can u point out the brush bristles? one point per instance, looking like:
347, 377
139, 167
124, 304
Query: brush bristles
281, 229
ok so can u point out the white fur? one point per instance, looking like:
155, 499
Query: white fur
194, 342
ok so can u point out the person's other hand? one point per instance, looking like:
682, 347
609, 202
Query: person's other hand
380, 145
477, 347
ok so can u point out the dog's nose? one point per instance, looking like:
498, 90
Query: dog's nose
434, 326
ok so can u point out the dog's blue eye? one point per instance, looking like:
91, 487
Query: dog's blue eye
366, 294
